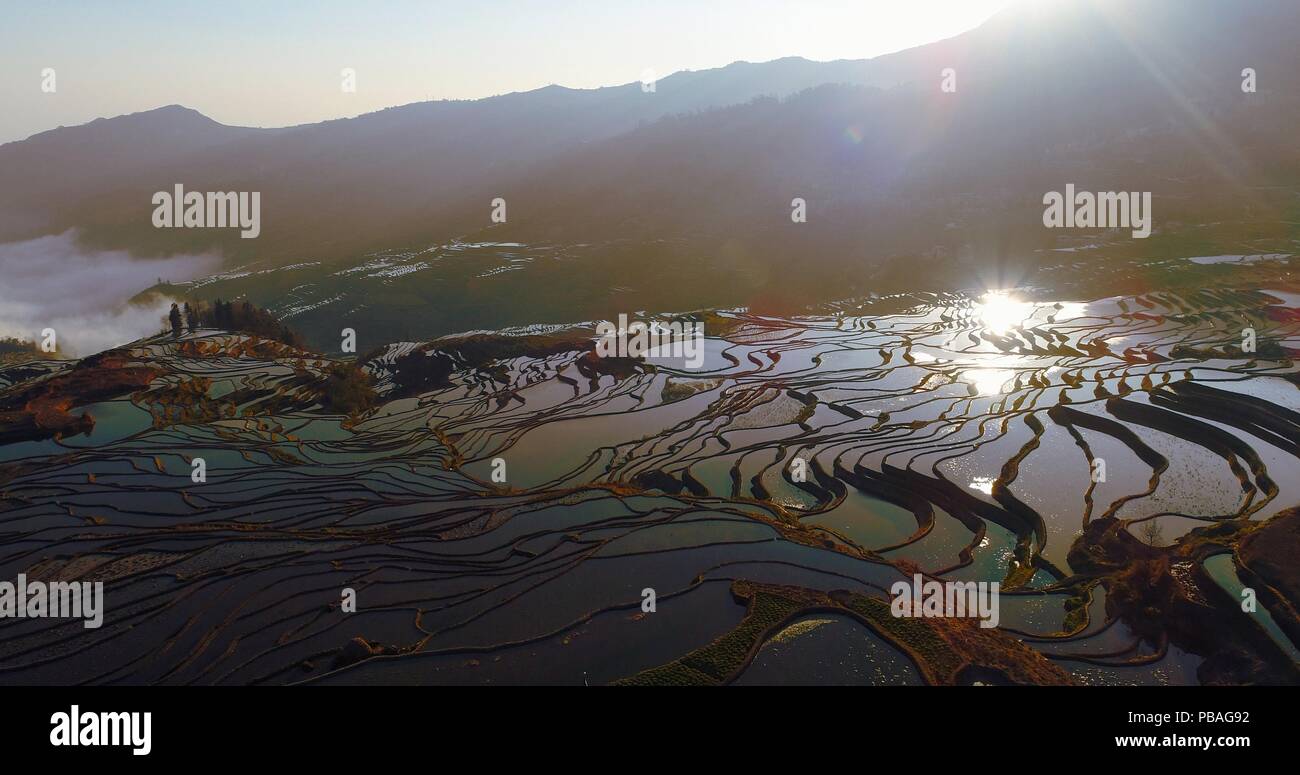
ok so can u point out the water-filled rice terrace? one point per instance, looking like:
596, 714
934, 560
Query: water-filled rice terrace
1120, 465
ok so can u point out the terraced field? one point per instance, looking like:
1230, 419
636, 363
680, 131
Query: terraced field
1105, 459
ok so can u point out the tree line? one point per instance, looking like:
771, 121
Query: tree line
243, 317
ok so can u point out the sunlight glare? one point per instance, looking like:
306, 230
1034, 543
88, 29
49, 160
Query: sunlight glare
999, 311
989, 382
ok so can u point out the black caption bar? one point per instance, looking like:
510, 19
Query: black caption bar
185, 725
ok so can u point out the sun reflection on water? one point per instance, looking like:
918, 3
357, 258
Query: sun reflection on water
989, 382
999, 311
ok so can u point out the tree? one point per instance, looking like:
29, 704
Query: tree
1152, 533
244, 317
349, 389
175, 317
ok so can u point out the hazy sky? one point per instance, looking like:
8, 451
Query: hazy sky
274, 62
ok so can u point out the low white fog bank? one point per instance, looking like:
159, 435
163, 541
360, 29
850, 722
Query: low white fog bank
51, 283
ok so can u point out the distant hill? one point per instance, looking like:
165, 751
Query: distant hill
48, 172
339, 186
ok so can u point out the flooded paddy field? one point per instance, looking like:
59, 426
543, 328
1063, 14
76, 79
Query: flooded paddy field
1123, 465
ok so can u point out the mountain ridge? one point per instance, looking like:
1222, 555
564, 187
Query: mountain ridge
1099, 94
